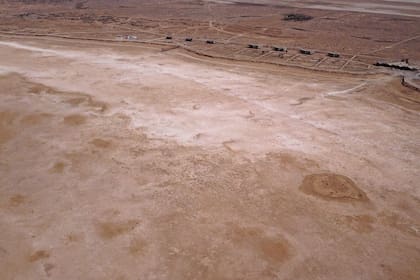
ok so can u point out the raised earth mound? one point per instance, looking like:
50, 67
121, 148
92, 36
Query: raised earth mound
332, 187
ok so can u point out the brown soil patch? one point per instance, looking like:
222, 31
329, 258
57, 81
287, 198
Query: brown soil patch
3, 251
48, 267
100, 143
72, 98
34, 119
275, 250
75, 120
6, 119
38, 89
73, 237
360, 223
76, 101
86, 100
332, 187
38, 255
98, 105
16, 200
108, 230
402, 224
58, 167
5, 135
137, 246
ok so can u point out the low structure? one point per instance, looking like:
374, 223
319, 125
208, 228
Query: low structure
130, 37
307, 52
333, 54
210, 42
279, 49
253, 46
168, 37
188, 39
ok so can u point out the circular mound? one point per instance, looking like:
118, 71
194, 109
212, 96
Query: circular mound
332, 187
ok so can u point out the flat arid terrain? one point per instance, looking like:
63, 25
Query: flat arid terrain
128, 152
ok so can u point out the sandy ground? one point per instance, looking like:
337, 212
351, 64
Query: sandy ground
361, 32
408, 8
125, 162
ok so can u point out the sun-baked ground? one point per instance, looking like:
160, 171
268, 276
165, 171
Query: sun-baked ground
126, 162
127, 152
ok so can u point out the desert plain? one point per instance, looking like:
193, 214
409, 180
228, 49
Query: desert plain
127, 152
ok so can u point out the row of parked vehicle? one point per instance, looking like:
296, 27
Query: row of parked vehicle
275, 48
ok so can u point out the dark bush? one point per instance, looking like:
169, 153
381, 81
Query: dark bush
297, 17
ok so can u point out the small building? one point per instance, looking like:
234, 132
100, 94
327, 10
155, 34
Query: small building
188, 39
210, 42
333, 54
307, 52
279, 49
130, 37
253, 46
168, 37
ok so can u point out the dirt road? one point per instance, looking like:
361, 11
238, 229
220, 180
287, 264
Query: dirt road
125, 162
